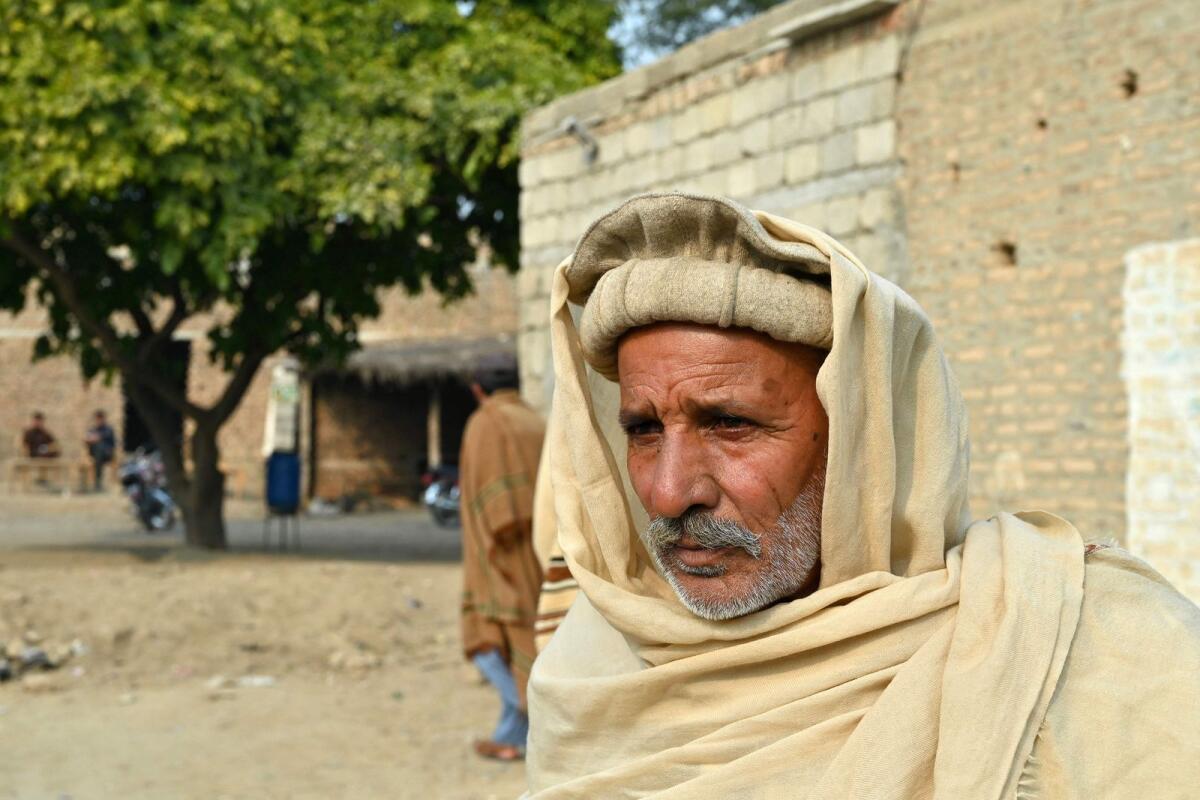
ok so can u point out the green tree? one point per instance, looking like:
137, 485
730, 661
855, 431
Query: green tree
262, 166
649, 29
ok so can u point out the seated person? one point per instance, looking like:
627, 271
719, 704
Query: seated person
39, 442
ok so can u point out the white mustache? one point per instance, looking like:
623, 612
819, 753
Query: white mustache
707, 529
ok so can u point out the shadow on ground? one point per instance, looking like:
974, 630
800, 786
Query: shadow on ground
100, 523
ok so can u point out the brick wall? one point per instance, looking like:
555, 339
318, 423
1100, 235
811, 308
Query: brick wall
368, 439
490, 310
1161, 355
1042, 141
996, 159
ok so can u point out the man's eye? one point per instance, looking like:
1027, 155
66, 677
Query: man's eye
642, 428
729, 421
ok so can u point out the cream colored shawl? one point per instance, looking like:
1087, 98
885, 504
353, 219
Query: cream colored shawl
922, 667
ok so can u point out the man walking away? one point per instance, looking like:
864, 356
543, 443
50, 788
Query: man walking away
501, 576
101, 443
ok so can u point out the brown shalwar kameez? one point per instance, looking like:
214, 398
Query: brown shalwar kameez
501, 575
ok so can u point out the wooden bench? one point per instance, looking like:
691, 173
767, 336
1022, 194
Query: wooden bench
65, 474
24, 473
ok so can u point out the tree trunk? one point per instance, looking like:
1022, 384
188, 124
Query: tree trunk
201, 495
157, 416
203, 505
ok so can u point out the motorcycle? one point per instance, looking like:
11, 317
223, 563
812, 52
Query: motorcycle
145, 484
441, 495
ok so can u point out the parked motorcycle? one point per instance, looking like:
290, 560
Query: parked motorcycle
441, 495
144, 481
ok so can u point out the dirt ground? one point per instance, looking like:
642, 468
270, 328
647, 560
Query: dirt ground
244, 675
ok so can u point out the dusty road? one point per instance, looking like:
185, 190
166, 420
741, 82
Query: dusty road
333, 673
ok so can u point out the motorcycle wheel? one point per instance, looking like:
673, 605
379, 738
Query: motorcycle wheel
156, 518
163, 520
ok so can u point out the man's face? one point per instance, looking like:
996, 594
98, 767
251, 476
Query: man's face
727, 443
36, 421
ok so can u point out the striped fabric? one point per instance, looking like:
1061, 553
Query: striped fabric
558, 592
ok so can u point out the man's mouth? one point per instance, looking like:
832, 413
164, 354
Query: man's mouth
691, 554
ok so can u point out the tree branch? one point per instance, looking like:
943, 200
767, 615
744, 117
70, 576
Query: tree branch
110, 343
142, 320
236, 388
179, 312
296, 334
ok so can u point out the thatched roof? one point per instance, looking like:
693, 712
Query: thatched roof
427, 360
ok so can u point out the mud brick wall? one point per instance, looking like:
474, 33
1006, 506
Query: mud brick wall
1042, 141
370, 442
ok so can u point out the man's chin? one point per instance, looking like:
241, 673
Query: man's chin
731, 589
715, 584
716, 597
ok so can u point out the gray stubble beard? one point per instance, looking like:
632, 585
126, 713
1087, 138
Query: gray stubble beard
789, 563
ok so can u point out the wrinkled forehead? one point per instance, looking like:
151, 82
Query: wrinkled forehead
673, 343
689, 363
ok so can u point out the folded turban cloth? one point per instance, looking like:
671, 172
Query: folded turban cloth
685, 258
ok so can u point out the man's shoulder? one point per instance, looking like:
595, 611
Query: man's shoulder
475, 425
1138, 638
1123, 722
504, 415
481, 428
513, 403
1124, 594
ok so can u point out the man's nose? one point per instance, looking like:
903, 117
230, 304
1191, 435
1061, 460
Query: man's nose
682, 477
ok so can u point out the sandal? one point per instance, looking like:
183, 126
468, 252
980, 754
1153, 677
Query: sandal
499, 752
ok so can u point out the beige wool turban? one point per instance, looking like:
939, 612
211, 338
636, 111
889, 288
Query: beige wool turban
688, 258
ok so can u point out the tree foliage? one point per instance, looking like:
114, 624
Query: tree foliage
651, 28
264, 164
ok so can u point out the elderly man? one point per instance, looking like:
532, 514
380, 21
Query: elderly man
501, 577
810, 611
